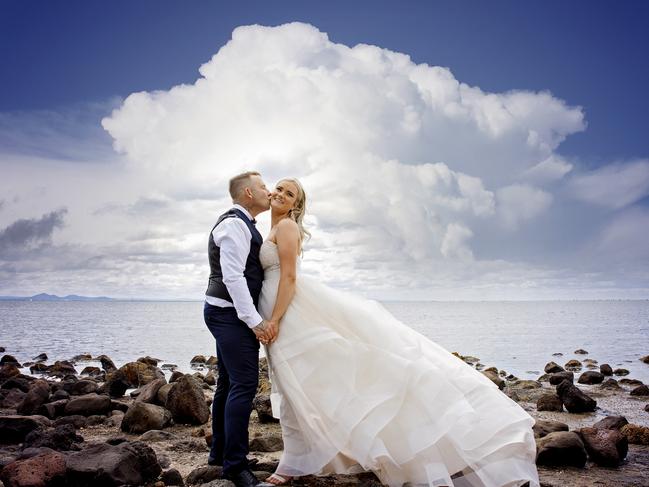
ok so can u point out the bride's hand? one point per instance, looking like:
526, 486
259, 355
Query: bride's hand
272, 330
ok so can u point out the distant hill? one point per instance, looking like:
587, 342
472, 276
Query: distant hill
53, 297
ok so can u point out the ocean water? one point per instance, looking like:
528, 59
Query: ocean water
520, 337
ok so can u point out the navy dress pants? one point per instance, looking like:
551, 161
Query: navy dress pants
237, 350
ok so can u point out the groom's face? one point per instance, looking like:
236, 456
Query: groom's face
260, 194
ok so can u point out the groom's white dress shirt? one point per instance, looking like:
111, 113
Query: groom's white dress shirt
232, 236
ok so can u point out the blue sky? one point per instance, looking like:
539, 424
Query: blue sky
67, 65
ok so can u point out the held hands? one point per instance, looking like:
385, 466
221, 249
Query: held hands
266, 331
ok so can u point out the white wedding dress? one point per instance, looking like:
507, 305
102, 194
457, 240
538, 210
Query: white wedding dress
355, 389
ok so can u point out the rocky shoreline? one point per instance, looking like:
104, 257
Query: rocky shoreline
146, 423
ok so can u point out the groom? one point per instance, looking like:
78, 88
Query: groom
230, 314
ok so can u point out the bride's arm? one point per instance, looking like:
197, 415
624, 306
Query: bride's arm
287, 237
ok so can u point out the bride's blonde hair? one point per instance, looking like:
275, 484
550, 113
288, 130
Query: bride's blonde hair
297, 212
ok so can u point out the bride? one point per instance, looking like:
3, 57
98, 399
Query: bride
355, 389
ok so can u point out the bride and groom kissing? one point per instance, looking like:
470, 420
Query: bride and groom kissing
354, 388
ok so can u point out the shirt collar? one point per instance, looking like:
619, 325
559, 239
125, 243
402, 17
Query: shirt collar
244, 211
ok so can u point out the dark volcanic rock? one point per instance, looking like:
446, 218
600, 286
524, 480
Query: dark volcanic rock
81, 387
580, 351
76, 420
11, 398
606, 369
262, 405
605, 447
42, 357
636, 434
621, 372
39, 368
20, 382
610, 384
128, 463
149, 392
82, 357
45, 469
573, 365
549, 402
203, 475
7, 371
130, 375
61, 438
115, 384
53, 409
558, 377
142, 417
187, 402
91, 371
267, 443
61, 368
563, 448
88, 405
9, 359
544, 427
106, 363
38, 394
553, 367
591, 377
175, 375
149, 360
163, 394
574, 399
14, 428
642, 390
172, 477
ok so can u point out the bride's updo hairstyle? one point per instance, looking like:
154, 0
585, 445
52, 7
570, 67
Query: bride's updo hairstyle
297, 212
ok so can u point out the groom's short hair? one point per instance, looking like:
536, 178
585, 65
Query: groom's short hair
239, 182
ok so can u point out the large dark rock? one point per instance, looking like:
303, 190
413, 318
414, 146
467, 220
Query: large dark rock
9, 359
591, 377
11, 398
38, 394
605, 447
61, 438
544, 427
149, 392
53, 409
45, 469
14, 428
172, 477
558, 377
561, 449
203, 475
104, 465
88, 405
130, 375
61, 368
81, 387
7, 371
549, 402
106, 363
262, 405
611, 423
267, 443
552, 368
574, 399
606, 369
187, 402
20, 382
163, 394
642, 390
142, 417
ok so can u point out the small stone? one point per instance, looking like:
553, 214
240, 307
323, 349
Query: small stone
637, 435
493, 377
175, 375
591, 377
106, 363
611, 423
610, 384
172, 477
42, 357
262, 405
198, 359
153, 436
573, 365
558, 377
267, 443
202, 475
645, 359
563, 448
149, 360
574, 399
212, 361
552, 367
82, 357
580, 351
606, 369
620, 372
642, 390
544, 427
549, 402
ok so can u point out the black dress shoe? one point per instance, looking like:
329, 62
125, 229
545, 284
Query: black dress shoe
244, 478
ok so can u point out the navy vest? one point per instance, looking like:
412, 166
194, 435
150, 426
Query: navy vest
253, 272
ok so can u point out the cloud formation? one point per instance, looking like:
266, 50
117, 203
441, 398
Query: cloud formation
26, 234
418, 184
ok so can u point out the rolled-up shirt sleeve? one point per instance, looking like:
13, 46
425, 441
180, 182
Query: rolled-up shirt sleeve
233, 238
